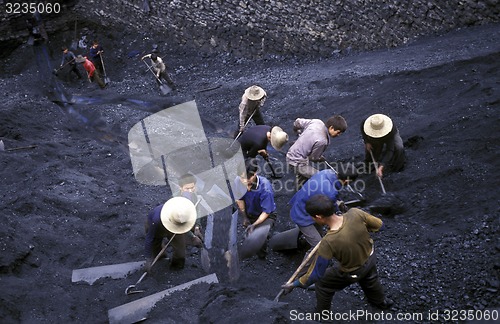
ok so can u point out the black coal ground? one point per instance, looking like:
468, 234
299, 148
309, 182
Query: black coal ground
72, 201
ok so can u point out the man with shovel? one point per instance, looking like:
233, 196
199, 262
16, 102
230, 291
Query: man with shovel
156, 231
92, 74
252, 100
255, 139
382, 139
314, 137
325, 182
256, 205
95, 56
68, 58
348, 241
159, 69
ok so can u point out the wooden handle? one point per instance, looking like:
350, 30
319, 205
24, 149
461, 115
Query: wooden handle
301, 266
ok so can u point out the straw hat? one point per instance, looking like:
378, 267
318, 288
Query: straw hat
79, 59
377, 125
255, 93
278, 137
178, 215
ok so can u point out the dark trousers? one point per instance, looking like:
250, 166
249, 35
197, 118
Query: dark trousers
178, 243
73, 68
334, 280
97, 79
98, 65
164, 75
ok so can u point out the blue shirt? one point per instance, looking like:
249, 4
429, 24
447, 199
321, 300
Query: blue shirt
324, 182
260, 198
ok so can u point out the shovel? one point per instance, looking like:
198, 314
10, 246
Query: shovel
388, 203
273, 173
296, 273
129, 290
55, 71
348, 186
241, 132
165, 89
376, 168
207, 242
106, 79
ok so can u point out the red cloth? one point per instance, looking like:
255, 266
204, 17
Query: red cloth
89, 67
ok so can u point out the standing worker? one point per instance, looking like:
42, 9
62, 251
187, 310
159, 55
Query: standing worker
255, 139
92, 73
160, 69
314, 137
95, 56
325, 182
382, 138
348, 241
69, 58
252, 100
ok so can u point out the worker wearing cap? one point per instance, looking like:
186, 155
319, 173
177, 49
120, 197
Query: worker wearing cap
92, 73
255, 139
382, 138
252, 100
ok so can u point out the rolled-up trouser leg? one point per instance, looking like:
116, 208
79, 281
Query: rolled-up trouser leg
313, 234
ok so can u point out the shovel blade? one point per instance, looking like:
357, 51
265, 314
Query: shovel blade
205, 260
165, 89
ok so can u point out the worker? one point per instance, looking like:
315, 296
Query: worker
348, 241
382, 139
255, 139
314, 137
156, 230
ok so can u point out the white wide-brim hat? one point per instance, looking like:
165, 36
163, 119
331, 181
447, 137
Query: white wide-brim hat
377, 125
255, 93
278, 138
178, 215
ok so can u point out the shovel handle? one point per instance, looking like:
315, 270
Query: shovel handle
296, 273
128, 290
241, 132
376, 168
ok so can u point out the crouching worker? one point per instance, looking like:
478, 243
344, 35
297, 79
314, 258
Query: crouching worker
349, 242
187, 232
256, 205
382, 139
